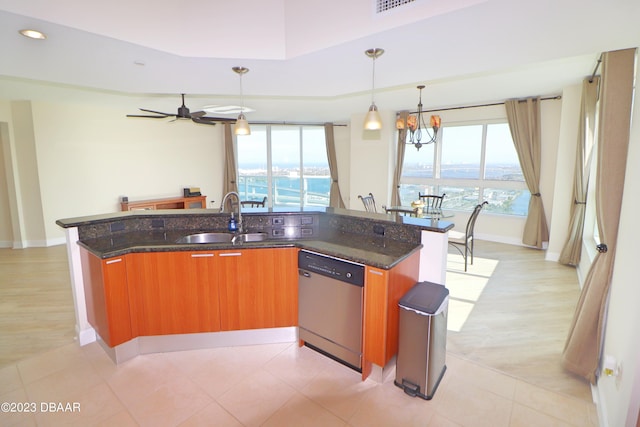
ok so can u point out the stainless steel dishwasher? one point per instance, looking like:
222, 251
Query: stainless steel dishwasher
330, 293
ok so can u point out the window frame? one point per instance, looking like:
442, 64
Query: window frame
269, 144
481, 183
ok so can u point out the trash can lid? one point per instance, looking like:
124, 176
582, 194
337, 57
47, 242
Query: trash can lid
425, 297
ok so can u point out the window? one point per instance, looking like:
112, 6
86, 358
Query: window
287, 164
471, 164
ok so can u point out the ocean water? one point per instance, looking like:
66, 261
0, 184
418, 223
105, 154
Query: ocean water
286, 190
315, 192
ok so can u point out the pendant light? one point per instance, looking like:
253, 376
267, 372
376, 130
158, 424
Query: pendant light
372, 120
242, 126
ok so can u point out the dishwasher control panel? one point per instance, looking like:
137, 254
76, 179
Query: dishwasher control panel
338, 269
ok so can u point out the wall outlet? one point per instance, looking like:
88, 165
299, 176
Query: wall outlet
116, 226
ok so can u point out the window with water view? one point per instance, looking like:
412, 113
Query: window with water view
287, 164
471, 164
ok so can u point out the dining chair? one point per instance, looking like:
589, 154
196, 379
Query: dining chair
401, 211
254, 203
369, 203
432, 202
466, 240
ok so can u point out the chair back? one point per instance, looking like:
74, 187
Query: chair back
369, 203
402, 211
471, 224
432, 202
254, 203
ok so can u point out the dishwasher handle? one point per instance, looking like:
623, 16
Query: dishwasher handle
304, 273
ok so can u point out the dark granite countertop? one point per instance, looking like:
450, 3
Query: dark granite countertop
377, 240
374, 251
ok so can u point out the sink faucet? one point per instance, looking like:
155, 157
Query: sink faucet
224, 201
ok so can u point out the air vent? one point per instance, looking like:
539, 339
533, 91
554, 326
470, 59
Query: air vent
385, 5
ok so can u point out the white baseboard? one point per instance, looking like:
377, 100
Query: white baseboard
500, 239
23, 244
600, 406
552, 256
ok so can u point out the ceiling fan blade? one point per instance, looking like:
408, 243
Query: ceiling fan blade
199, 120
156, 112
147, 117
198, 114
218, 119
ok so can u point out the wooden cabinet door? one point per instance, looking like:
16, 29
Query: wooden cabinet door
107, 297
173, 293
279, 269
240, 294
258, 288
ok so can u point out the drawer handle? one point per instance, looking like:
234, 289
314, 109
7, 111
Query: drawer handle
113, 261
379, 273
232, 254
201, 255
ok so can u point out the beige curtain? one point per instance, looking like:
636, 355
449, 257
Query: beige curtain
335, 197
230, 171
524, 123
572, 249
582, 350
402, 137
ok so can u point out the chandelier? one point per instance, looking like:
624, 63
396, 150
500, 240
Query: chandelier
416, 125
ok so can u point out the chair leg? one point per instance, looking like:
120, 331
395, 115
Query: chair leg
466, 256
472, 242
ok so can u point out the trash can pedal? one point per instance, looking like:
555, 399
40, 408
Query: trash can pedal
410, 388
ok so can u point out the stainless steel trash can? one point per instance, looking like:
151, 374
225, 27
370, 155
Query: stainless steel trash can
422, 347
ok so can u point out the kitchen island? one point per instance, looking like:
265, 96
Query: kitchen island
183, 296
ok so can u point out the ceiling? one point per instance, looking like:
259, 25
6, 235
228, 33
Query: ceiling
306, 59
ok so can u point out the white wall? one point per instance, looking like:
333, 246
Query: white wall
372, 161
565, 165
6, 232
621, 396
87, 157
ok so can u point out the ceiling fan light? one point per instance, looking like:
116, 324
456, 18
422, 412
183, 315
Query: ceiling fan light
33, 34
242, 126
372, 120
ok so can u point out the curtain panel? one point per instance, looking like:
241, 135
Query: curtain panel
335, 196
524, 123
397, 175
572, 249
582, 350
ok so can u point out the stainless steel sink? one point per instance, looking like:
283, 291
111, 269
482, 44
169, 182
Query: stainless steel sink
206, 238
249, 237
222, 238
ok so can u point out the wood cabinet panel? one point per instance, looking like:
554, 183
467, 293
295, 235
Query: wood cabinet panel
258, 288
173, 293
195, 202
375, 315
382, 292
107, 297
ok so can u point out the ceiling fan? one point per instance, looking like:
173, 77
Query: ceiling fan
183, 113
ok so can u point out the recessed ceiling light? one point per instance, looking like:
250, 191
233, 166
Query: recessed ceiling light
33, 34
226, 109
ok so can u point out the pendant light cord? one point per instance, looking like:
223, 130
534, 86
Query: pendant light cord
241, 96
373, 80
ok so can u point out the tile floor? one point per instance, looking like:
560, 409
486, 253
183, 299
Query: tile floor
265, 385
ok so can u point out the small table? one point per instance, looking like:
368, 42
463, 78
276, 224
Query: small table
427, 213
